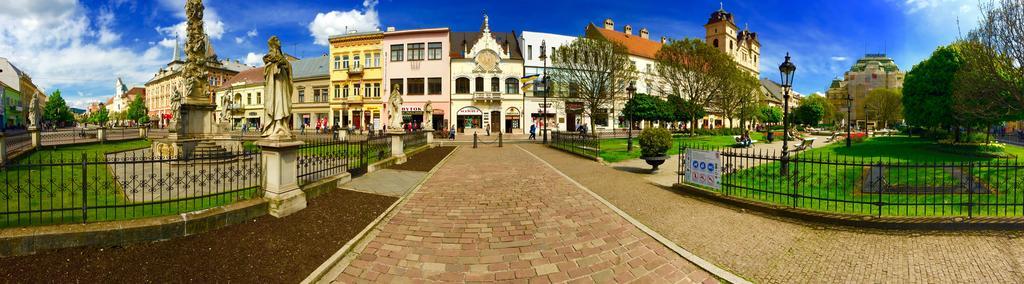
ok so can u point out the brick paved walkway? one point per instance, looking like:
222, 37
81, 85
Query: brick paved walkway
498, 214
775, 250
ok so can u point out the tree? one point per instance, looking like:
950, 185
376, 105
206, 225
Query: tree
815, 109
137, 110
594, 71
1001, 32
100, 117
770, 114
885, 105
738, 92
56, 110
647, 107
928, 89
691, 69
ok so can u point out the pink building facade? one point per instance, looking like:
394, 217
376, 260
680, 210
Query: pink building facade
418, 63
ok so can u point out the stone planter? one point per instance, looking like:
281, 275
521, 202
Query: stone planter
655, 161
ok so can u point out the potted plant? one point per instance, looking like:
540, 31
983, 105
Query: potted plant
654, 143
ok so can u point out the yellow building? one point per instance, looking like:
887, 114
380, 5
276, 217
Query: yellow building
356, 78
874, 71
722, 33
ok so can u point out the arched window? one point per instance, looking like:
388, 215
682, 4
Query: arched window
495, 85
715, 42
511, 86
462, 86
479, 84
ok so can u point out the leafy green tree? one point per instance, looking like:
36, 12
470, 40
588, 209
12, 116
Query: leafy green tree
646, 107
809, 113
691, 69
57, 111
928, 89
100, 117
594, 71
770, 114
137, 110
885, 105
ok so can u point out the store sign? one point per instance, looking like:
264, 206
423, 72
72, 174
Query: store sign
512, 111
574, 106
703, 168
470, 111
412, 108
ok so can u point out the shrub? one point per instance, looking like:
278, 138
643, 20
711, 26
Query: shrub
654, 142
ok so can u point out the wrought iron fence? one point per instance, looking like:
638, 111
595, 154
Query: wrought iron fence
412, 140
57, 188
866, 185
17, 143
122, 133
577, 143
68, 136
325, 157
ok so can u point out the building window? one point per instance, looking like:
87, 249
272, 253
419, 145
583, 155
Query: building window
415, 51
368, 90
397, 85
529, 52
601, 117
396, 52
415, 86
462, 86
248, 98
344, 91
376, 60
355, 61
495, 85
344, 62
369, 60
337, 62
302, 96
715, 43
434, 86
511, 86
376, 90
355, 90
479, 84
259, 98
337, 91
434, 51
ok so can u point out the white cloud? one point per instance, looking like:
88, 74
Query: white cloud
55, 42
254, 59
336, 23
239, 40
839, 58
252, 33
168, 42
212, 24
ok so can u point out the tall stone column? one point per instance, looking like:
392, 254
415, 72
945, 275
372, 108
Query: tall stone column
144, 131
3, 148
37, 138
280, 178
397, 147
101, 134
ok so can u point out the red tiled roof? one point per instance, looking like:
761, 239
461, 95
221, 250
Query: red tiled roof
634, 43
248, 76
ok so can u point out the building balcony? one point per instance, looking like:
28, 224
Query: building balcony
486, 96
355, 70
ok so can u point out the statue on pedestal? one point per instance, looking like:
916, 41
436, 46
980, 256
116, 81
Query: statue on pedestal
172, 125
428, 116
278, 88
33, 112
395, 103
195, 48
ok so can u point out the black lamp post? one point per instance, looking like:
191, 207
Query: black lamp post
849, 117
544, 81
786, 70
867, 128
629, 141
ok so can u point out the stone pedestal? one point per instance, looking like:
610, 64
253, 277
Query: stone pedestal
3, 148
342, 134
144, 132
37, 138
397, 147
430, 136
280, 178
196, 120
101, 134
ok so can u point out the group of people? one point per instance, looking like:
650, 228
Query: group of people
412, 126
321, 126
744, 139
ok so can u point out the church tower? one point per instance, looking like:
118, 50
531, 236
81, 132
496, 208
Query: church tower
722, 33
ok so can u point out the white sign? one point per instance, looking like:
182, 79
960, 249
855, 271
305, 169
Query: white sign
470, 111
703, 168
412, 108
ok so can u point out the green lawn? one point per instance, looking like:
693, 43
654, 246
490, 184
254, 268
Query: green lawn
46, 187
834, 183
614, 149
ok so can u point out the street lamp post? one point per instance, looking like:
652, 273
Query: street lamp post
629, 141
786, 70
867, 127
544, 81
849, 117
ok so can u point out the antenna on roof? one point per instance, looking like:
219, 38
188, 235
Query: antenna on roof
958, 33
721, 7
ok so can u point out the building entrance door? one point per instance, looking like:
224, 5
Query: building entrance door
570, 121
495, 121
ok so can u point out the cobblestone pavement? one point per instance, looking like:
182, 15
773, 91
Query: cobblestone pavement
774, 250
498, 214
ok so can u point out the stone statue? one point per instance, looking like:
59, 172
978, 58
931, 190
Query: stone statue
33, 112
395, 103
175, 110
194, 71
278, 89
428, 116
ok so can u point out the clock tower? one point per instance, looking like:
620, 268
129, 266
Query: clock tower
722, 33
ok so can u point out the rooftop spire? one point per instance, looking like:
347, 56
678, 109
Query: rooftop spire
177, 54
721, 7
486, 27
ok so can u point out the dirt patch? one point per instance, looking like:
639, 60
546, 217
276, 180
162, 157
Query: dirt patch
424, 161
264, 250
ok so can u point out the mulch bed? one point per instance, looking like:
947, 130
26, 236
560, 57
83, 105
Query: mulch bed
424, 161
264, 250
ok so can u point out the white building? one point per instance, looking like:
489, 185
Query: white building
486, 67
119, 101
534, 103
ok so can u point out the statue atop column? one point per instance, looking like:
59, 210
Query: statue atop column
194, 72
278, 88
33, 112
395, 103
428, 116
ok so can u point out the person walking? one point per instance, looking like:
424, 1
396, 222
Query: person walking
451, 132
302, 128
533, 132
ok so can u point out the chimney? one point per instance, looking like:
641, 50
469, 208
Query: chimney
663, 39
609, 24
644, 34
627, 29
391, 29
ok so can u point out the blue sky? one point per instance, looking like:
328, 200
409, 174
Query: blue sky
81, 47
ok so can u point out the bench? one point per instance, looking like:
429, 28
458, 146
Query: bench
832, 138
807, 143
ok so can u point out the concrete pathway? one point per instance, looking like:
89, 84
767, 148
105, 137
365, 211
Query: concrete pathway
386, 182
500, 214
776, 250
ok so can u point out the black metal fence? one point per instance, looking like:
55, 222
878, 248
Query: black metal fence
55, 187
68, 136
17, 143
577, 143
323, 157
415, 139
865, 185
122, 133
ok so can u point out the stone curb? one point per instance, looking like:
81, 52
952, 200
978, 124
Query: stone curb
331, 267
703, 264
